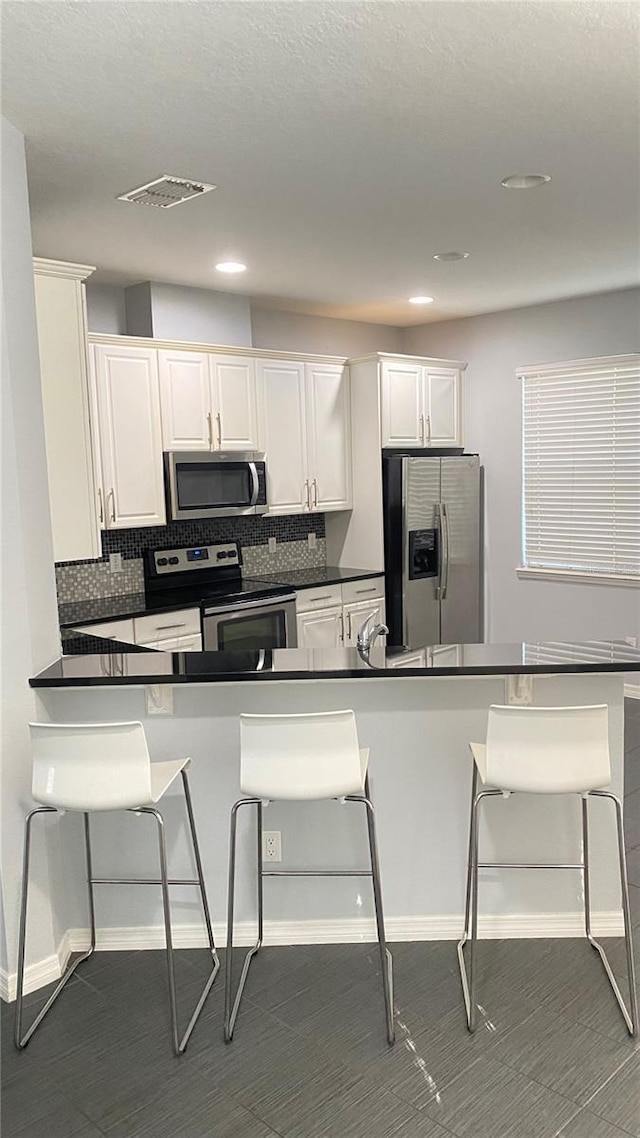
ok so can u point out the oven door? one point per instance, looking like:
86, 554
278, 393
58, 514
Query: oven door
215, 485
267, 623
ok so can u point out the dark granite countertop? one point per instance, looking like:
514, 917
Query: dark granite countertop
77, 613
338, 663
319, 575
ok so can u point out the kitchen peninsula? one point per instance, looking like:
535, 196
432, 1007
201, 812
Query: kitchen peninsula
417, 709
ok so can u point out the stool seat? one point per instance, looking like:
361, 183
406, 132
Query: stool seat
162, 775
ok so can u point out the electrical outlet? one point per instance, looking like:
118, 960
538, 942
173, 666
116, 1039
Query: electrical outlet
115, 562
520, 690
312, 540
271, 845
272, 544
159, 699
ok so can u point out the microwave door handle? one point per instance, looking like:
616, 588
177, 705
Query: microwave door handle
255, 484
239, 609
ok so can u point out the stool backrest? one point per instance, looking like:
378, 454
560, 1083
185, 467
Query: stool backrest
90, 766
300, 756
548, 750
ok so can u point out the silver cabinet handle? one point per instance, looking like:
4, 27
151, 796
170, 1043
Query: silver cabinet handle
315, 494
324, 597
428, 430
210, 430
100, 505
307, 493
113, 504
373, 589
342, 627
219, 423
422, 429
164, 627
349, 632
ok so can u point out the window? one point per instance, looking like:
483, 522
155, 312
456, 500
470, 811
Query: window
581, 469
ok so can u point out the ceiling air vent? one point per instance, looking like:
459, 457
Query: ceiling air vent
166, 191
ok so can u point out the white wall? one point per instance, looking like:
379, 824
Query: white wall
297, 332
105, 309
495, 345
30, 637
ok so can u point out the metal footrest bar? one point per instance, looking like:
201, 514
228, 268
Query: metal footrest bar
528, 865
141, 881
317, 873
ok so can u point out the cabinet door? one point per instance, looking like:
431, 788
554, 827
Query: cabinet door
328, 407
356, 614
282, 430
442, 406
320, 629
233, 401
130, 436
185, 400
402, 405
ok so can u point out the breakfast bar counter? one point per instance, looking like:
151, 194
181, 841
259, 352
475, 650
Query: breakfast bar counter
417, 710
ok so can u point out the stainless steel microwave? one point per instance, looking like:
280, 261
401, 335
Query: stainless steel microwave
215, 484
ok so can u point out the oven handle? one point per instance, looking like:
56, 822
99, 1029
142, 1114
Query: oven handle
256, 485
266, 603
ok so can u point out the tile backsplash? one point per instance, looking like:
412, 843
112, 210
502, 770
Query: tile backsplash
80, 580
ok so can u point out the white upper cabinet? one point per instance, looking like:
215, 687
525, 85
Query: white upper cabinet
233, 401
328, 414
420, 404
402, 405
128, 404
442, 397
186, 400
283, 436
60, 311
208, 401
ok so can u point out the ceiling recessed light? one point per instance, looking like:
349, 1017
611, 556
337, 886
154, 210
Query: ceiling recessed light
421, 299
230, 267
525, 181
452, 256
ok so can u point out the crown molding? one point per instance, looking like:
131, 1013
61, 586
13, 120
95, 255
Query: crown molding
46, 268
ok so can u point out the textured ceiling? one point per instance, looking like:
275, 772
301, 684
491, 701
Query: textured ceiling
349, 142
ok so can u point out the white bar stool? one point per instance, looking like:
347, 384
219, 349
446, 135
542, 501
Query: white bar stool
90, 767
545, 750
302, 758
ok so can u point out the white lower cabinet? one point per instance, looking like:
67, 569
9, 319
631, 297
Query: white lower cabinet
320, 629
121, 630
177, 631
330, 617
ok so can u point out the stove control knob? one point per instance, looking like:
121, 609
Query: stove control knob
161, 561
222, 553
174, 560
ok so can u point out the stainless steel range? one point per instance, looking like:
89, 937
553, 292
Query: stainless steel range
238, 613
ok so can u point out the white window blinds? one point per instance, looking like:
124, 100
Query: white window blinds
581, 467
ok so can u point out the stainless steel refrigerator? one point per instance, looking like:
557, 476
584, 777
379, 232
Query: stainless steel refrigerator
432, 540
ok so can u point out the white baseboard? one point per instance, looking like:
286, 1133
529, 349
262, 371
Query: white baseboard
632, 691
441, 927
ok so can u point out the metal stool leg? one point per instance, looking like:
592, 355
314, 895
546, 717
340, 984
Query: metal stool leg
386, 960
467, 904
231, 1011
207, 915
469, 984
630, 1018
166, 909
21, 1040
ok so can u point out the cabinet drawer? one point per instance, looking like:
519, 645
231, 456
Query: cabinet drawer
319, 598
110, 630
167, 625
369, 589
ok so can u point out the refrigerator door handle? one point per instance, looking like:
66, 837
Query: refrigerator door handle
445, 562
441, 550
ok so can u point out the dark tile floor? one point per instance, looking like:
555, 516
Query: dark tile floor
551, 1055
